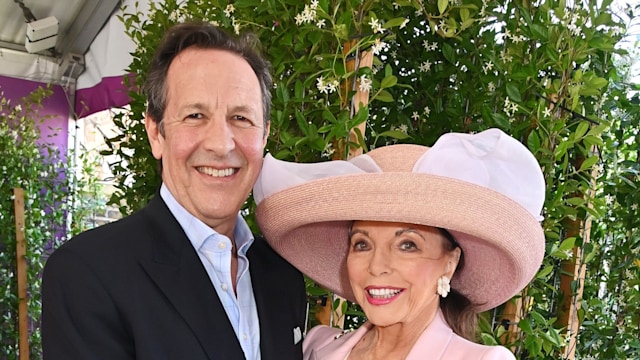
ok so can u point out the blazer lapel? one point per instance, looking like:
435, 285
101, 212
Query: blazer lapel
339, 349
434, 340
177, 271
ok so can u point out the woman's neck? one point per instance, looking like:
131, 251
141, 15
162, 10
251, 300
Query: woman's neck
391, 342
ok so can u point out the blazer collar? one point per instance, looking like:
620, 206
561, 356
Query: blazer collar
434, 340
431, 344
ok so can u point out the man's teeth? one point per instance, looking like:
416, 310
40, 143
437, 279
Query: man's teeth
216, 172
384, 293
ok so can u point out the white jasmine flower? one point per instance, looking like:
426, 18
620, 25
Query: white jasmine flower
322, 87
365, 83
377, 46
376, 26
229, 10
425, 66
333, 86
328, 150
487, 67
608, 199
415, 116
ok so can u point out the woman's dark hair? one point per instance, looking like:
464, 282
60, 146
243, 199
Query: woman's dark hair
458, 310
203, 36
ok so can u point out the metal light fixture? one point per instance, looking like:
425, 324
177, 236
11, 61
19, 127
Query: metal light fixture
41, 34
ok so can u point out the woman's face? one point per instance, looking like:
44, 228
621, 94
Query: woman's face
394, 270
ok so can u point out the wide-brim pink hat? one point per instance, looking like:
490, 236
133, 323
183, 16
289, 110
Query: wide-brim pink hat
487, 189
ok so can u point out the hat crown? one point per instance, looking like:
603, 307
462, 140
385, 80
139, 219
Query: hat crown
402, 159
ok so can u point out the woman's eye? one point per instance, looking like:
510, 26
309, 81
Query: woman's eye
408, 245
359, 245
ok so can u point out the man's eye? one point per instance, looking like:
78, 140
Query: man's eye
241, 118
195, 116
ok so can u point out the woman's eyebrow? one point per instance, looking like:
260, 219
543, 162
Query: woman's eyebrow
409, 230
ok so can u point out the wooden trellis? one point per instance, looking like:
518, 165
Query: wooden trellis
21, 274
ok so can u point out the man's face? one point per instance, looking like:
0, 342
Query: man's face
214, 135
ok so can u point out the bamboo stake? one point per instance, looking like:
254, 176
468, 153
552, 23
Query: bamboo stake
21, 272
574, 270
326, 315
511, 315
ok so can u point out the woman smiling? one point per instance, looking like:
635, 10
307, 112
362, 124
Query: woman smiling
423, 239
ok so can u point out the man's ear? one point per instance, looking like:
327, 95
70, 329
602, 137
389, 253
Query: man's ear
156, 139
267, 129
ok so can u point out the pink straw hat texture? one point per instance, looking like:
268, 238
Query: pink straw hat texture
487, 189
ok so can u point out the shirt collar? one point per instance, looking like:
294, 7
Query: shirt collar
197, 231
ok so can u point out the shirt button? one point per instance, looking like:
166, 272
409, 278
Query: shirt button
222, 245
224, 287
244, 336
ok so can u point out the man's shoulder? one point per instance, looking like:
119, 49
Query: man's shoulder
112, 237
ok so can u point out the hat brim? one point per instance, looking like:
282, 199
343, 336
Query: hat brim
503, 244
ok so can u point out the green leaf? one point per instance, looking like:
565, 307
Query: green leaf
500, 120
533, 142
542, 274
246, 3
396, 134
540, 32
591, 140
384, 96
388, 82
449, 53
525, 326
513, 92
588, 163
567, 244
582, 129
393, 22
442, 6
603, 19
464, 14
488, 339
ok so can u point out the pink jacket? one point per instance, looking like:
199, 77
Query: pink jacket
437, 341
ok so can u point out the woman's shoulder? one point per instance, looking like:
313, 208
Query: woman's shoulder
479, 351
320, 336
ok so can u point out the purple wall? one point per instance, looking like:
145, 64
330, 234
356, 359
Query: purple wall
55, 109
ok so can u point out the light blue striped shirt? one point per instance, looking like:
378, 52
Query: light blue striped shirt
214, 250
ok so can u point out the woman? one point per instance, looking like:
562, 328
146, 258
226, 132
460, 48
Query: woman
423, 239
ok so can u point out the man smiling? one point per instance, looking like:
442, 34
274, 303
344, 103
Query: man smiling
184, 278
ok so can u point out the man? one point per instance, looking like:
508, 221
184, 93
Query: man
184, 278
